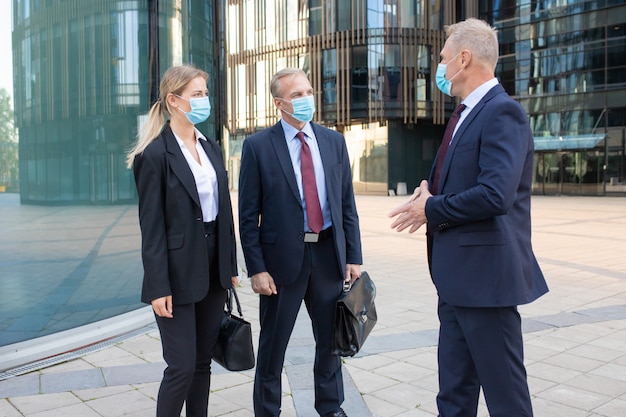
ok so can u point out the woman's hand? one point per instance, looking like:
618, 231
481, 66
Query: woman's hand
163, 307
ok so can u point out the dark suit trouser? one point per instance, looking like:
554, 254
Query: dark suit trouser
481, 347
319, 285
188, 342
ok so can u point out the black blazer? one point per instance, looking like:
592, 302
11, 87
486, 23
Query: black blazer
173, 245
271, 216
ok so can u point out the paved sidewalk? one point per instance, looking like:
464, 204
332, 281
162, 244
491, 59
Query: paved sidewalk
575, 335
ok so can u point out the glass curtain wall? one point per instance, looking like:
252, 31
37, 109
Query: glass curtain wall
85, 72
565, 61
370, 62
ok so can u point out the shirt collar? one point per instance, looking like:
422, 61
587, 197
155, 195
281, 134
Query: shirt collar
199, 135
290, 131
475, 96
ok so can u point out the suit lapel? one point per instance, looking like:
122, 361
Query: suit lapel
324, 146
277, 137
216, 161
179, 165
458, 137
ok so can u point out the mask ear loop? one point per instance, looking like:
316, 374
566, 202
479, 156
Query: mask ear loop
459, 71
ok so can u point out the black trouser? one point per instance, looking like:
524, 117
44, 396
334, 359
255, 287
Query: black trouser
188, 342
319, 285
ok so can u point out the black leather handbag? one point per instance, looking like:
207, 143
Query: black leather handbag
355, 316
234, 350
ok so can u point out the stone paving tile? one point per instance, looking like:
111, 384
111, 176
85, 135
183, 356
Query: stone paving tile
69, 366
548, 408
551, 372
615, 407
74, 410
59, 382
130, 401
150, 389
576, 363
133, 374
113, 356
574, 397
400, 395
20, 386
7, 410
599, 384
382, 408
611, 370
403, 372
95, 393
369, 382
33, 404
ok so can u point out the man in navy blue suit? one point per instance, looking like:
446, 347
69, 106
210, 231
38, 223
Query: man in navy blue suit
476, 205
300, 236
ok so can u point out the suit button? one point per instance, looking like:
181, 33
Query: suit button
199, 219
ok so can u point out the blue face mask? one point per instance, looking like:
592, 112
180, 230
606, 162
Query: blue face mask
303, 108
200, 109
445, 85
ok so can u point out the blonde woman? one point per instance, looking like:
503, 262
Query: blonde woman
188, 242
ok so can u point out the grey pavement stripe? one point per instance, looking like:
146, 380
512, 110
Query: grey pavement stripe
582, 267
303, 392
427, 338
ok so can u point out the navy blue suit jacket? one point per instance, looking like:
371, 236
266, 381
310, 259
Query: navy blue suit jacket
271, 217
173, 245
481, 254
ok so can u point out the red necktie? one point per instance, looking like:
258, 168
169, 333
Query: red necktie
445, 144
313, 208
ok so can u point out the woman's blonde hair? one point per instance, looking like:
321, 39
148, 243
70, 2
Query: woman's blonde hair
173, 81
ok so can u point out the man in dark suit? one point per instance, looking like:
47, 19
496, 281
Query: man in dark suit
300, 235
477, 206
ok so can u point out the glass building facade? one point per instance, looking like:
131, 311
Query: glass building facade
372, 64
85, 73
565, 62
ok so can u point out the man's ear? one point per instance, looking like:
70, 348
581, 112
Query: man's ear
466, 57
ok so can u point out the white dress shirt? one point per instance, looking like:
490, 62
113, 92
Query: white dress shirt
294, 145
205, 177
472, 100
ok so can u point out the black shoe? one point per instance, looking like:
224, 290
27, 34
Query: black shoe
338, 413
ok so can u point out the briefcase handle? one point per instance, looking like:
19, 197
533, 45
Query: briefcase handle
229, 301
347, 286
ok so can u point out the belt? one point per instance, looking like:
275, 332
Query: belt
310, 237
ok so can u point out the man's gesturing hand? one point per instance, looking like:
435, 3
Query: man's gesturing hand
412, 213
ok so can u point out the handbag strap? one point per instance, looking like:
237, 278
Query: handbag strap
229, 301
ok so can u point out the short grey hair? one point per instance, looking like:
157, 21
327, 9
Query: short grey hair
285, 72
476, 36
